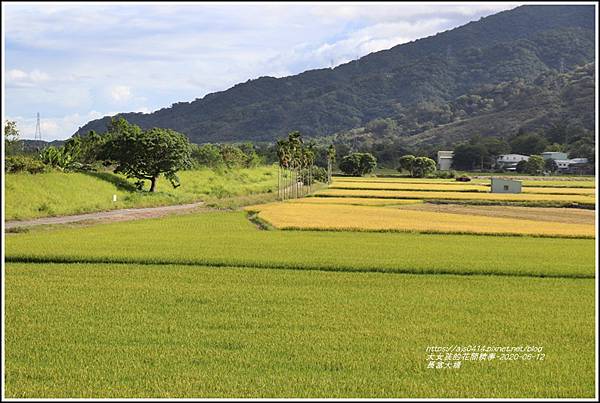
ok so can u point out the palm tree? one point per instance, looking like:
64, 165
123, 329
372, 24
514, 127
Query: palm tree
310, 155
295, 162
295, 142
284, 156
280, 158
330, 161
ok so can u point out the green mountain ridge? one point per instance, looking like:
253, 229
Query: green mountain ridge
559, 107
499, 110
519, 44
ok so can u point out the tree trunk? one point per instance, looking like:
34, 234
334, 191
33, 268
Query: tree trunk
286, 187
153, 184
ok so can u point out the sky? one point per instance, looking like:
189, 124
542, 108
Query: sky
76, 62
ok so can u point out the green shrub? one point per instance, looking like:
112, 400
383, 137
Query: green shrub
318, 175
59, 158
23, 163
444, 174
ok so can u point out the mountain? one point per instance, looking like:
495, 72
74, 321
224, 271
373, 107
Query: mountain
504, 109
517, 44
550, 100
33, 146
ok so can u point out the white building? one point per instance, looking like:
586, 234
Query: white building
510, 161
570, 165
444, 160
554, 155
500, 185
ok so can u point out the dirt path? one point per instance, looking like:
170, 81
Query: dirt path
113, 215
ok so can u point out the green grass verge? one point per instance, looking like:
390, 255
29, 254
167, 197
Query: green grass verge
186, 331
229, 239
59, 193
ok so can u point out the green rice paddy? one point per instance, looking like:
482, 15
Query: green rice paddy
214, 305
229, 239
128, 330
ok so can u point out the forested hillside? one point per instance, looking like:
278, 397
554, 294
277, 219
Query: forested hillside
542, 104
502, 52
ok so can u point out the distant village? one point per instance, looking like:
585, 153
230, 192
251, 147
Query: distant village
509, 162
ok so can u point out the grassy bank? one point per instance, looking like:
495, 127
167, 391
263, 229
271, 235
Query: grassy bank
58, 193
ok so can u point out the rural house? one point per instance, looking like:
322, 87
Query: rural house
554, 155
510, 161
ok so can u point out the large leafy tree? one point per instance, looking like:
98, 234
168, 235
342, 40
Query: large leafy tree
528, 144
406, 163
533, 166
422, 166
207, 155
232, 156
469, 156
358, 164
418, 167
84, 149
145, 155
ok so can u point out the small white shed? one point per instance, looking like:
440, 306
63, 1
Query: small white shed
500, 185
444, 160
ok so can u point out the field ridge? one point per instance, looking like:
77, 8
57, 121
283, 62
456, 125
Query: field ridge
284, 266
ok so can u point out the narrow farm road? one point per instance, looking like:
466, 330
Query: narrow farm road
112, 215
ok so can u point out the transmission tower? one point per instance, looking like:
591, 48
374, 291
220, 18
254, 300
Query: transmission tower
38, 129
561, 67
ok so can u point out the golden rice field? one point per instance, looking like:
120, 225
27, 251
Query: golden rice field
449, 195
559, 190
590, 183
551, 214
369, 218
540, 182
410, 186
359, 201
453, 187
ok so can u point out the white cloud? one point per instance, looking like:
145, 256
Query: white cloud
143, 57
376, 37
389, 12
16, 74
120, 93
20, 78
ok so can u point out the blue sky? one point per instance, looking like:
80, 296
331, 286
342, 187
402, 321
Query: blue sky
77, 62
